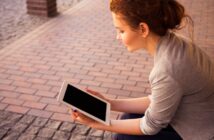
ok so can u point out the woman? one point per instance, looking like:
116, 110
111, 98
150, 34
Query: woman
181, 105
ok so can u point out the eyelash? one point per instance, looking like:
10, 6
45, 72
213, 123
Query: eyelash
119, 31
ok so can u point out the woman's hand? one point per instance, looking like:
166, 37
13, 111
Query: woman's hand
79, 117
99, 95
82, 119
128, 126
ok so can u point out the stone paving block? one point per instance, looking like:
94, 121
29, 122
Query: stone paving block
2, 133
53, 124
138, 94
55, 108
4, 124
40, 113
32, 75
28, 97
26, 137
12, 136
5, 114
107, 135
9, 94
17, 78
46, 93
12, 101
5, 81
21, 84
32, 104
82, 130
40, 122
46, 132
112, 85
37, 80
33, 130
17, 109
94, 138
49, 101
96, 133
62, 117
67, 126
42, 88
78, 137
19, 127
41, 138
119, 92
61, 135
126, 82
27, 119
15, 72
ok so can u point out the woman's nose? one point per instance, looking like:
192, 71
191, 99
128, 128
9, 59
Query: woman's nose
118, 37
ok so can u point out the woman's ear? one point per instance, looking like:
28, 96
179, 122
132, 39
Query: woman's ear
144, 29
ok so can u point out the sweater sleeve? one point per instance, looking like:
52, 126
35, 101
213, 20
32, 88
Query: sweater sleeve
165, 98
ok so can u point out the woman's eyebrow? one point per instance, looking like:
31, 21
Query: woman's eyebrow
117, 27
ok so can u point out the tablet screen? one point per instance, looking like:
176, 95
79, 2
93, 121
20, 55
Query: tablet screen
85, 102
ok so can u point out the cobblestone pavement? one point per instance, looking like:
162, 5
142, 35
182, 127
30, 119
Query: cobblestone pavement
15, 22
78, 46
27, 127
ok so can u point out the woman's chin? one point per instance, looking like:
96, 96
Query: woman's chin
131, 50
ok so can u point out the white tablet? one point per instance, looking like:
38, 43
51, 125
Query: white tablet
86, 103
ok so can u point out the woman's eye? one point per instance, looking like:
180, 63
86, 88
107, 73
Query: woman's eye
121, 32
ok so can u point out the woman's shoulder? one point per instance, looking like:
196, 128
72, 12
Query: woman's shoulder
174, 45
176, 49
172, 52
182, 59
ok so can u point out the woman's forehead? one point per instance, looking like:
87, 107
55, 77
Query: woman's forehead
118, 20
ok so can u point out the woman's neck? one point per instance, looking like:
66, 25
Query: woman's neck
152, 43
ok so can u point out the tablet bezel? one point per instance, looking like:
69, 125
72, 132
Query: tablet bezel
62, 94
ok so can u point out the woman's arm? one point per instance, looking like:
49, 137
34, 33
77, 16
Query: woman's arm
128, 126
134, 105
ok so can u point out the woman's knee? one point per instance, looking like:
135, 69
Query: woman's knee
117, 137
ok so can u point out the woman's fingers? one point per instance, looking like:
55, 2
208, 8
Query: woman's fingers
95, 93
98, 95
82, 119
91, 91
74, 114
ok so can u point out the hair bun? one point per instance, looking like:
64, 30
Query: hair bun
173, 13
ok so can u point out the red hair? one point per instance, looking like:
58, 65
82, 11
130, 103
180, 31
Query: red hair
159, 15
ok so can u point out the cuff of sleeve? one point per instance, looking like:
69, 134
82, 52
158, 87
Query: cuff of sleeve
150, 97
142, 124
147, 130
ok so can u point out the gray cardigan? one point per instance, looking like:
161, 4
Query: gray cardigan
182, 84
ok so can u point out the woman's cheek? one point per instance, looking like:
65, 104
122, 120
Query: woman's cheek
125, 40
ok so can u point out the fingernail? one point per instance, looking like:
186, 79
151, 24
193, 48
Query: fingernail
74, 110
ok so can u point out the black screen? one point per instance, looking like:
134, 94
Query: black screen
85, 102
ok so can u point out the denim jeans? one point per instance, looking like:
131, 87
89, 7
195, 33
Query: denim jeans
165, 134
